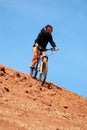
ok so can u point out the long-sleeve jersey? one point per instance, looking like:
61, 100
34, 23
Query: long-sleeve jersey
43, 38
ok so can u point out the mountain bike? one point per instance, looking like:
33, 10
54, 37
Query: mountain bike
41, 66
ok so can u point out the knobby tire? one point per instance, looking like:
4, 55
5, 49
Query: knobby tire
34, 71
43, 73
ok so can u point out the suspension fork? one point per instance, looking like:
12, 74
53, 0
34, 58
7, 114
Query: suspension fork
45, 59
44, 56
43, 63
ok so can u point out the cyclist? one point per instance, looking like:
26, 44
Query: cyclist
42, 40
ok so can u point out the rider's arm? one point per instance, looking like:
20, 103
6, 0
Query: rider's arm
53, 44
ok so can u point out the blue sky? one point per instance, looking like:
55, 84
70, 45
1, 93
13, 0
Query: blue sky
20, 23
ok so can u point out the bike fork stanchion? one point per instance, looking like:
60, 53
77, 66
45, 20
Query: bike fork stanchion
43, 72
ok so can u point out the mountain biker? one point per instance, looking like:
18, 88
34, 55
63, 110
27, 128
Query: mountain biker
42, 40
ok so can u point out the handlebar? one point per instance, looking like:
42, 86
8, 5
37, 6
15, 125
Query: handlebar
48, 49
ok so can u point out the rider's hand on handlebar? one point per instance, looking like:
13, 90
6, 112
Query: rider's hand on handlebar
55, 48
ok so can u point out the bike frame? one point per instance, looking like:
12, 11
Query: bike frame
41, 66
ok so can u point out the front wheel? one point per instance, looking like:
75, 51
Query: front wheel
43, 72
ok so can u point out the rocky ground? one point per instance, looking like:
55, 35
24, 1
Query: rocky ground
26, 105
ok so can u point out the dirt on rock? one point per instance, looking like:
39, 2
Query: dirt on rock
26, 105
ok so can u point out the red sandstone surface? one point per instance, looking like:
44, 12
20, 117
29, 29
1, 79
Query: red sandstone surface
26, 105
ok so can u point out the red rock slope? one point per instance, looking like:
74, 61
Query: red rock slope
25, 105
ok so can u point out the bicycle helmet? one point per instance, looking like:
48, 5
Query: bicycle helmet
48, 28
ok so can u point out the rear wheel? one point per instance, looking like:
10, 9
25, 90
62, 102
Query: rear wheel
34, 71
43, 72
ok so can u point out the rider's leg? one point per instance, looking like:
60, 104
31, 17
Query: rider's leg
35, 57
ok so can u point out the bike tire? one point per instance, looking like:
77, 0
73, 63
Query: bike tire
43, 73
34, 71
